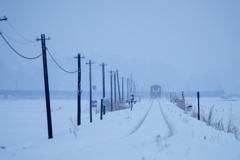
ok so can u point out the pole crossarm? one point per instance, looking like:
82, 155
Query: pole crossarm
4, 18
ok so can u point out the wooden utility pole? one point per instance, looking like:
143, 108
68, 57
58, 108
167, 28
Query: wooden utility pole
111, 89
118, 87
128, 88
90, 89
122, 89
103, 77
79, 89
131, 86
115, 94
46, 84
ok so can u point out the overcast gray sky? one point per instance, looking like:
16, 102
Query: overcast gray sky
176, 44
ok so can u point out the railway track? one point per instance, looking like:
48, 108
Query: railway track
157, 120
167, 121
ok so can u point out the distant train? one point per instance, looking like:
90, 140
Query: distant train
155, 91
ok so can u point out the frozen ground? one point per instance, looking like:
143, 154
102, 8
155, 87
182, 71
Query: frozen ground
153, 130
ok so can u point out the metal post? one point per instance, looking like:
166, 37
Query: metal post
118, 87
132, 102
198, 106
101, 109
90, 89
47, 95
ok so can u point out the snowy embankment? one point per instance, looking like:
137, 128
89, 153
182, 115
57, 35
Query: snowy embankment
153, 130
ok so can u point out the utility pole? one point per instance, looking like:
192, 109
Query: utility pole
111, 89
79, 89
131, 84
127, 88
135, 89
3, 19
115, 94
47, 95
122, 89
120, 100
90, 89
103, 77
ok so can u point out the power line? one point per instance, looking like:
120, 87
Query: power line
53, 50
15, 40
17, 52
59, 65
33, 41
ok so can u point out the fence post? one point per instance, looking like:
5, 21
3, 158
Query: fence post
198, 106
101, 115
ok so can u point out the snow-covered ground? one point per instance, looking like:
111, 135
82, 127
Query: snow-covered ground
153, 130
222, 108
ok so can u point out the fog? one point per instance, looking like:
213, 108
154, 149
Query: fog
180, 45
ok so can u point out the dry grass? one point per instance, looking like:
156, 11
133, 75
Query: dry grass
218, 123
117, 106
211, 121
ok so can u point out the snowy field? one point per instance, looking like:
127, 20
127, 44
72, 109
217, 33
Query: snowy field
154, 129
221, 110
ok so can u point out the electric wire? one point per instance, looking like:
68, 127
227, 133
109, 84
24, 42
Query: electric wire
59, 65
14, 40
54, 52
19, 53
33, 41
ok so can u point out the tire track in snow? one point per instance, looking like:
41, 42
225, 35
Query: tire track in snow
141, 122
166, 121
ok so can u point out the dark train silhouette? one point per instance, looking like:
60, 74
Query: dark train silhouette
155, 91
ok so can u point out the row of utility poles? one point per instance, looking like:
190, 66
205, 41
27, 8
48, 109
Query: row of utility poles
113, 88
46, 84
47, 95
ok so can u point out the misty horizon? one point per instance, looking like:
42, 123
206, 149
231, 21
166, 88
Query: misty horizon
180, 46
